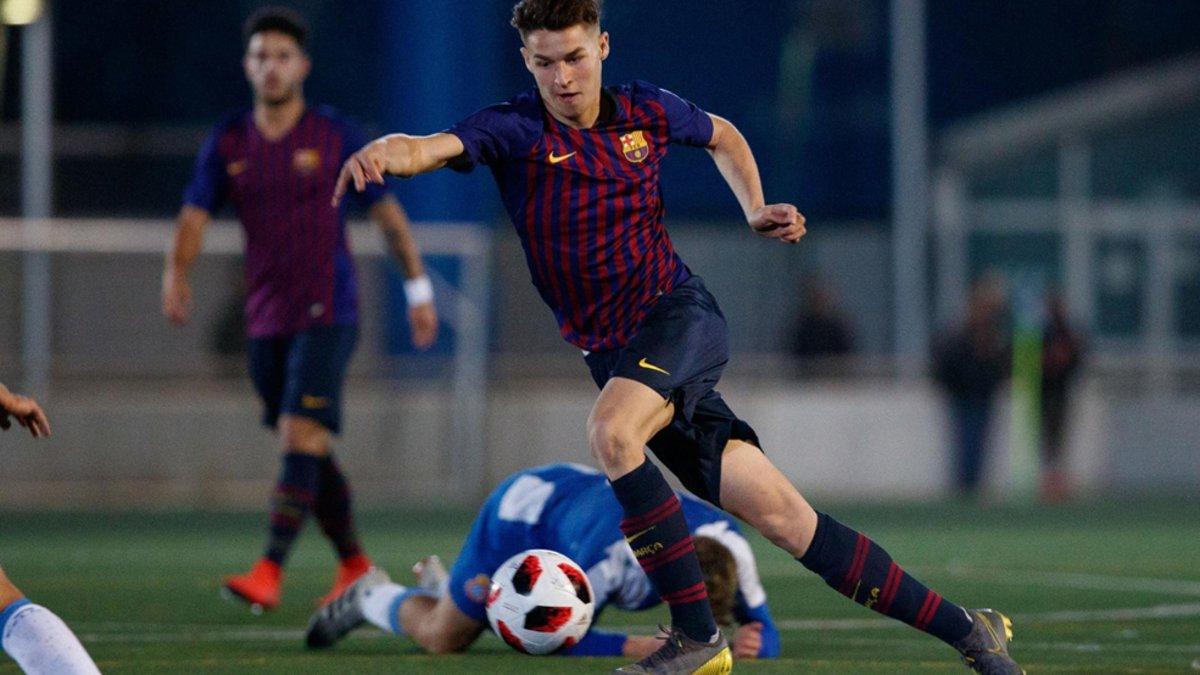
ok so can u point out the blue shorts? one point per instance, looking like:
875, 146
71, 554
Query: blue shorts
680, 351
302, 374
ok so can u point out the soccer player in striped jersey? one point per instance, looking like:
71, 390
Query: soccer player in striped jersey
567, 508
277, 163
578, 165
35, 637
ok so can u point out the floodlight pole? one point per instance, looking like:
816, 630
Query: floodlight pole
37, 154
910, 186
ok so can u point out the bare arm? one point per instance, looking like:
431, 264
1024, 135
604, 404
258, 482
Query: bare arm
640, 646
176, 291
746, 641
422, 317
735, 161
397, 155
394, 223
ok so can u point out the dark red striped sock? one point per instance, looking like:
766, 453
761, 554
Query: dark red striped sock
658, 534
863, 571
333, 512
295, 493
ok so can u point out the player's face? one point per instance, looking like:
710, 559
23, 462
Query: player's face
566, 65
275, 67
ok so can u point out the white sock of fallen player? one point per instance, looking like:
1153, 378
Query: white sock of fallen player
41, 643
381, 605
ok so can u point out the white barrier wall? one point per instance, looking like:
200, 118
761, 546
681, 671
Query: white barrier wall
203, 448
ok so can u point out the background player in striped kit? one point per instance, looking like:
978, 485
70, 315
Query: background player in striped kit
277, 163
577, 165
39, 641
567, 508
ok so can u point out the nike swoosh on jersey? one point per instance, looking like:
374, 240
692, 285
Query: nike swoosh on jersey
650, 366
555, 159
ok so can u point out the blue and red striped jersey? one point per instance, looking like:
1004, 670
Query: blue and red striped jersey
299, 272
587, 203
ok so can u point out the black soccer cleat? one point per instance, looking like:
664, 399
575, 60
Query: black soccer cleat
342, 614
682, 655
985, 648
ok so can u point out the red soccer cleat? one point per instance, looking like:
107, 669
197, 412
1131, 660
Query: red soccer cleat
259, 587
348, 571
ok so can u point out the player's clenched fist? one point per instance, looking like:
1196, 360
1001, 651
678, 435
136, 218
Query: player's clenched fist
747, 640
26, 410
778, 221
367, 165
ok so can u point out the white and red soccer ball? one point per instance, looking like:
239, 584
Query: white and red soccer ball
540, 601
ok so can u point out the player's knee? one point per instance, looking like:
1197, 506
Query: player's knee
613, 444
299, 434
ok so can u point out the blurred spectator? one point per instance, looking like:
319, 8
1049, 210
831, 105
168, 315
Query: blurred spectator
971, 363
822, 332
1062, 349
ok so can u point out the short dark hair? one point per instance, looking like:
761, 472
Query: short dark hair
280, 19
531, 15
719, 568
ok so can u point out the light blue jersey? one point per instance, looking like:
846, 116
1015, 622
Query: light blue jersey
570, 508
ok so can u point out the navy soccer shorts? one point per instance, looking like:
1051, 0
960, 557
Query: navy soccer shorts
302, 374
680, 351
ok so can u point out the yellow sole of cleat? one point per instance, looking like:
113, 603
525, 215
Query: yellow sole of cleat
1007, 627
721, 664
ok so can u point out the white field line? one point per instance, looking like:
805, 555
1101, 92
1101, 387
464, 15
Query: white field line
1099, 582
158, 633
1082, 647
1071, 616
219, 635
1077, 580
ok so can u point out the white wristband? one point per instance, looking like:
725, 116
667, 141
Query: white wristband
418, 291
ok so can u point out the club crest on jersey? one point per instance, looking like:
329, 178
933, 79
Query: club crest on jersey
476, 588
306, 160
635, 147
235, 168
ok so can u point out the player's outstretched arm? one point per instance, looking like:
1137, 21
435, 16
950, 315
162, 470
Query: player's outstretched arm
189, 236
599, 642
735, 161
397, 155
26, 411
422, 317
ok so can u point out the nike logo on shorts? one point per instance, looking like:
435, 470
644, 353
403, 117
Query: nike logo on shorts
650, 366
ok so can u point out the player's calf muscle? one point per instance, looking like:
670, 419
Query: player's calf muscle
615, 445
782, 528
754, 490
